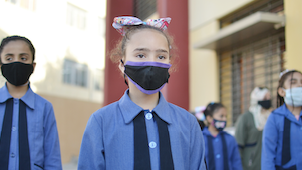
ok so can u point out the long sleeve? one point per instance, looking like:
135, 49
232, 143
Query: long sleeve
235, 157
241, 134
92, 148
269, 144
197, 148
52, 154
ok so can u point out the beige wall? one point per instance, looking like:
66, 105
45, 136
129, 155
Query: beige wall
204, 85
72, 116
293, 34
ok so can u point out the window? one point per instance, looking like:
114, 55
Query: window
75, 73
98, 76
255, 61
256, 64
76, 17
27, 4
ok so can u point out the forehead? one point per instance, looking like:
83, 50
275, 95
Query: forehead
294, 75
16, 46
148, 38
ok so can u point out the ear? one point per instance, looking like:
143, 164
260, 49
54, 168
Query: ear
281, 92
34, 65
121, 67
209, 119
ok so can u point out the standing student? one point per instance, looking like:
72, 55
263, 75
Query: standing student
29, 137
250, 126
142, 130
282, 134
221, 147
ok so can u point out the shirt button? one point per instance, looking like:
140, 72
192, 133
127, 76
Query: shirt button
148, 116
12, 155
218, 156
152, 145
14, 128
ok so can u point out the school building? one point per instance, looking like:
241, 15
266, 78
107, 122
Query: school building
69, 37
226, 48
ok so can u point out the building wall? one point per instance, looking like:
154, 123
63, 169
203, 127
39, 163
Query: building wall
293, 34
55, 40
204, 72
72, 116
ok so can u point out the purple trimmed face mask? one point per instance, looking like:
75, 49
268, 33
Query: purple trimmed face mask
148, 77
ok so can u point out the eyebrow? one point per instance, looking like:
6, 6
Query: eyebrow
147, 50
10, 54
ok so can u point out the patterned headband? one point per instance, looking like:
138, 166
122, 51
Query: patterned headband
121, 23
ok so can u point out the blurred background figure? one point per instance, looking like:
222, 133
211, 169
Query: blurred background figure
221, 147
199, 114
249, 128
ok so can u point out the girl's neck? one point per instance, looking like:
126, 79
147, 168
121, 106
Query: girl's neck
214, 132
17, 91
294, 110
145, 101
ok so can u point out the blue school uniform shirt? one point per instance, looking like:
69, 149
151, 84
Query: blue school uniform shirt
234, 159
273, 138
43, 137
108, 140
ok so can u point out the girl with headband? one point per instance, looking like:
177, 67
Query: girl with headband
142, 131
282, 134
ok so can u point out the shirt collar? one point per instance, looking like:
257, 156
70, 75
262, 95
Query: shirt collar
208, 133
130, 110
283, 110
28, 98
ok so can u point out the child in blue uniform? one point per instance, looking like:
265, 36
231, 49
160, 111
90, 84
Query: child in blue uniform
221, 148
29, 136
142, 131
282, 134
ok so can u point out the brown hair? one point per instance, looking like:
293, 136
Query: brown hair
118, 52
280, 99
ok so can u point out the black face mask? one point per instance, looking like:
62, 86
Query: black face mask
148, 77
266, 104
17, 73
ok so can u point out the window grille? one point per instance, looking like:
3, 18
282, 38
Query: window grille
256, 64
144, 8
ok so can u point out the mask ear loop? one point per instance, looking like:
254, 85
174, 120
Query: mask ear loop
124, 73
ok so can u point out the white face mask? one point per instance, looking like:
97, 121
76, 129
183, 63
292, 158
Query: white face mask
293, 96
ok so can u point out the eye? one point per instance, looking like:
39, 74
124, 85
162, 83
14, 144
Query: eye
23, 58
9, 58
161, 57
293, 82
140, 56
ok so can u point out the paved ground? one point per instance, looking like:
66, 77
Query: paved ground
72, 165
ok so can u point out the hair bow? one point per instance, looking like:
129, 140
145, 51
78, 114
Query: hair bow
120, 23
